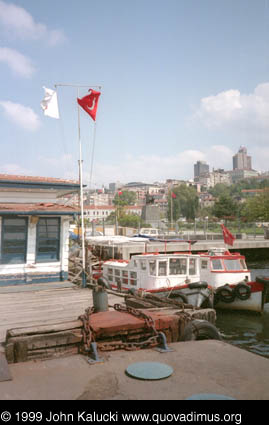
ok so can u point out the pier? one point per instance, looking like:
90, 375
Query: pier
107, 249
198, 367
208, 366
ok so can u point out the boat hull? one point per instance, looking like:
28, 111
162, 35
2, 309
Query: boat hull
255, 302
197, 294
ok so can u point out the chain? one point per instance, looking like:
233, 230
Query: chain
88, 335
128, 346
86, 329
137, 313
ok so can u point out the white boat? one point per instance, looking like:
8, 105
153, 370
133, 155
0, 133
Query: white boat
175, 276
228, 274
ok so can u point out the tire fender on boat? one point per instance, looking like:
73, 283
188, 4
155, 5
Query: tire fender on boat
200, 329
242, 291
225, 294
102, 281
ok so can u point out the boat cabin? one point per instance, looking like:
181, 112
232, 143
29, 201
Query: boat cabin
219, 266
152, 272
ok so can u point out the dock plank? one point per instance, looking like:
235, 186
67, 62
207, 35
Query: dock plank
39, 307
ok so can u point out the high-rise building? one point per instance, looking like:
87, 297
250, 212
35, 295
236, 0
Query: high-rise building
242, 161
200, 168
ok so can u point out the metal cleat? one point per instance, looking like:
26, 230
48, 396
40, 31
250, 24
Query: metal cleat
94, 354
163, 347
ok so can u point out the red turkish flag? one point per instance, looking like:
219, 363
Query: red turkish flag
119, 193
173, 195
89, 103
227, 236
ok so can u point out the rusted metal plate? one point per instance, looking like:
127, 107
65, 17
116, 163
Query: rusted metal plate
109, 323
4, 369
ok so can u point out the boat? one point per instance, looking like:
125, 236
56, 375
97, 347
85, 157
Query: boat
230, 278
218, 278
175, 276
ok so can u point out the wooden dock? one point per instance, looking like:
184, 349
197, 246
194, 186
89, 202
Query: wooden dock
41, 304
42, 321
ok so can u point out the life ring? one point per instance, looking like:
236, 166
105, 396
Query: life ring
226, 294
103, 282
242, 291
199, 330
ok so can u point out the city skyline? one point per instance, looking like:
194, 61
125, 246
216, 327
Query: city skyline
181, 82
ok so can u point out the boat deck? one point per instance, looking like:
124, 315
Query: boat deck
40, 304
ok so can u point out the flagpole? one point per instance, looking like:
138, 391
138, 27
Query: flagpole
93, 148
171, 210
81, 201
81, 176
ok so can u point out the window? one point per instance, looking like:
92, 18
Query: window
152, 267
125, 277
243, 264
216, 264
143, 265
204, 264
175, 266
162, 268
133, 278
110, 274
14, 240
192, 266
232, 265
48, 240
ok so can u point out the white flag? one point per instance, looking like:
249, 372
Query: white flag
50, 103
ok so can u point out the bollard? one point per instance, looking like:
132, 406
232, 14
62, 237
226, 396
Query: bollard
100, 300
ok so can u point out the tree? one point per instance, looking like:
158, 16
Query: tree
124, 198
185, 202
219, 189
257, 208
225, 207
126, 220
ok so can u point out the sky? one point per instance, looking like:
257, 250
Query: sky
181, 81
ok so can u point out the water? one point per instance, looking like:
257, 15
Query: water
249, 331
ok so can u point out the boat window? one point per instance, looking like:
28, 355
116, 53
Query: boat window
162, 268
192, 266
143, 264
125, 276
135, 263
232, 265
118, 282
243, 264
216, 264
176, 266
133, 278
110, 274
152, 267
117, 272
204, 264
